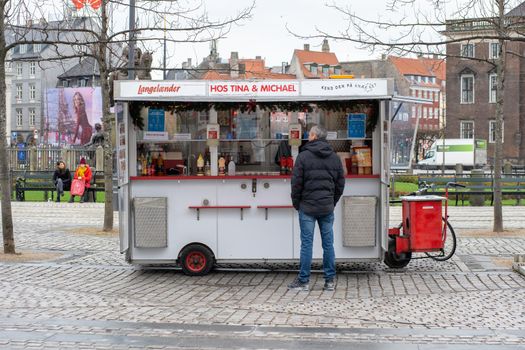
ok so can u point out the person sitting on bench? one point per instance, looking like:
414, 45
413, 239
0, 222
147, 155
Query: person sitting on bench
61, 179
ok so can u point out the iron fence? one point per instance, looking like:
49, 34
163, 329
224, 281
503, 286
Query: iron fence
45, 158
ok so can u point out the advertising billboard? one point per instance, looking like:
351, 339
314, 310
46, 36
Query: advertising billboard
71, 115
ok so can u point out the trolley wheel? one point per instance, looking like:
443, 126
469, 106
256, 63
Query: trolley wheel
196, 260
449, 247
394, 260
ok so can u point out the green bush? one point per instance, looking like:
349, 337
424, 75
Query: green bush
406, 178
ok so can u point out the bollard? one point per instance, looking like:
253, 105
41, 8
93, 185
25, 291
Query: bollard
459, 169
476, 200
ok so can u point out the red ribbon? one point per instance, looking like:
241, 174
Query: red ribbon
95, 4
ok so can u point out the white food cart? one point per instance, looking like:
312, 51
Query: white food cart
174, 210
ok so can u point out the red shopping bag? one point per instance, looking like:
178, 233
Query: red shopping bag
77, 187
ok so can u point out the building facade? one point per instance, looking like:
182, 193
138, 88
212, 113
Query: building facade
308, 64
472, 81
36, 68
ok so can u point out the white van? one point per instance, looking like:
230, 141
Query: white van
468, 152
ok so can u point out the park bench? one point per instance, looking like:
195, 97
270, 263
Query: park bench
33, 181
511, 185
43, 181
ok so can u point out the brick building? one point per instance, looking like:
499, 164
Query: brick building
471, 86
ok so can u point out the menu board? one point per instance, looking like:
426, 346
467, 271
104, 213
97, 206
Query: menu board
357, 126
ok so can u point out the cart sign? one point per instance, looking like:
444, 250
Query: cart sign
254, 89
148, 89
263, 89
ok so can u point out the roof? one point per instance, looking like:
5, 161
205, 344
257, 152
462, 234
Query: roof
86, 67
518, 11
216, 70
319, 57
427, 67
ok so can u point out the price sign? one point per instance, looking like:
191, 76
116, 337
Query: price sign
357, 126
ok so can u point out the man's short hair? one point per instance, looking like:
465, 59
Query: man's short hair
319, 131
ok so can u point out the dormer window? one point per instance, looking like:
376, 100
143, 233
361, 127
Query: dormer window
337, 70
313, 68
326, 71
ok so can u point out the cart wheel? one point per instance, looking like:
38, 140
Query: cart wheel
394, 260
196, 260
449, 247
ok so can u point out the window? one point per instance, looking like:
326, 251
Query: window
313, 68
32, 92
65, 83
466, 129
337, 70
413, 111
19, 93
424, 112
32, 69
494, 50
492, 131
37, 48
32, 116
19, 69
493, 88
431, 113
326, 70
433, 80
467, 88
23, 48
82, 82
467, 50
19, 117
436, 113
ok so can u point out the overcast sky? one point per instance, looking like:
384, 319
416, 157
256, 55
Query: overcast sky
266, 35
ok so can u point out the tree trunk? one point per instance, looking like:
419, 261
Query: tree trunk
498, 149
107, 120
5, 185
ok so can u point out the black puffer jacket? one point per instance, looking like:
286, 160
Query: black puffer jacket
318, 179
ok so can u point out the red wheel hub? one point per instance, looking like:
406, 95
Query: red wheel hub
195, 261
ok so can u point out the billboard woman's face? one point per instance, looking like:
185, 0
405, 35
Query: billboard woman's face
78, 101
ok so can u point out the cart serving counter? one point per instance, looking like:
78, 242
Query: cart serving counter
204, 168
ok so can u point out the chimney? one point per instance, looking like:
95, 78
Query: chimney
306, 47
242, 68
189, 62
43, 21
383, 57
29, 23
258, 57
234, 64
325, 47
283, 67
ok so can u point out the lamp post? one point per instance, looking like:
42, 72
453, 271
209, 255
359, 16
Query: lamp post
131, 45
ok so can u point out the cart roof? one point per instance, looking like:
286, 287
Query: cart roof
260, 90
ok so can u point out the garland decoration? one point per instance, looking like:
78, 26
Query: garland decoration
370, 108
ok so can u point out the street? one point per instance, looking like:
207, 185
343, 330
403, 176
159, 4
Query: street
87, 297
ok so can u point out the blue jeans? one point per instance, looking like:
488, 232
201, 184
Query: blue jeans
307, 224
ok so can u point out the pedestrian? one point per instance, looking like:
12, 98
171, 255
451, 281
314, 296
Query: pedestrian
83, 173
317, 185
61, 179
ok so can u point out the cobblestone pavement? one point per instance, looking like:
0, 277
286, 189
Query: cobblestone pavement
89, 298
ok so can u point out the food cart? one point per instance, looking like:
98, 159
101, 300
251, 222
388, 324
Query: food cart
204, 168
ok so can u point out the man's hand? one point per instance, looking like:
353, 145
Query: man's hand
80, 177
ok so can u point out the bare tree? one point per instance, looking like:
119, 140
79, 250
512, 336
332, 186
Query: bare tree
102, 39
420, 27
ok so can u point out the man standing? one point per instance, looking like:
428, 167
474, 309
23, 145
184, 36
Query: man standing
317, 185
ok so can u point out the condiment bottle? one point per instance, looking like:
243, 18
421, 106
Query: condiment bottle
200, 165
